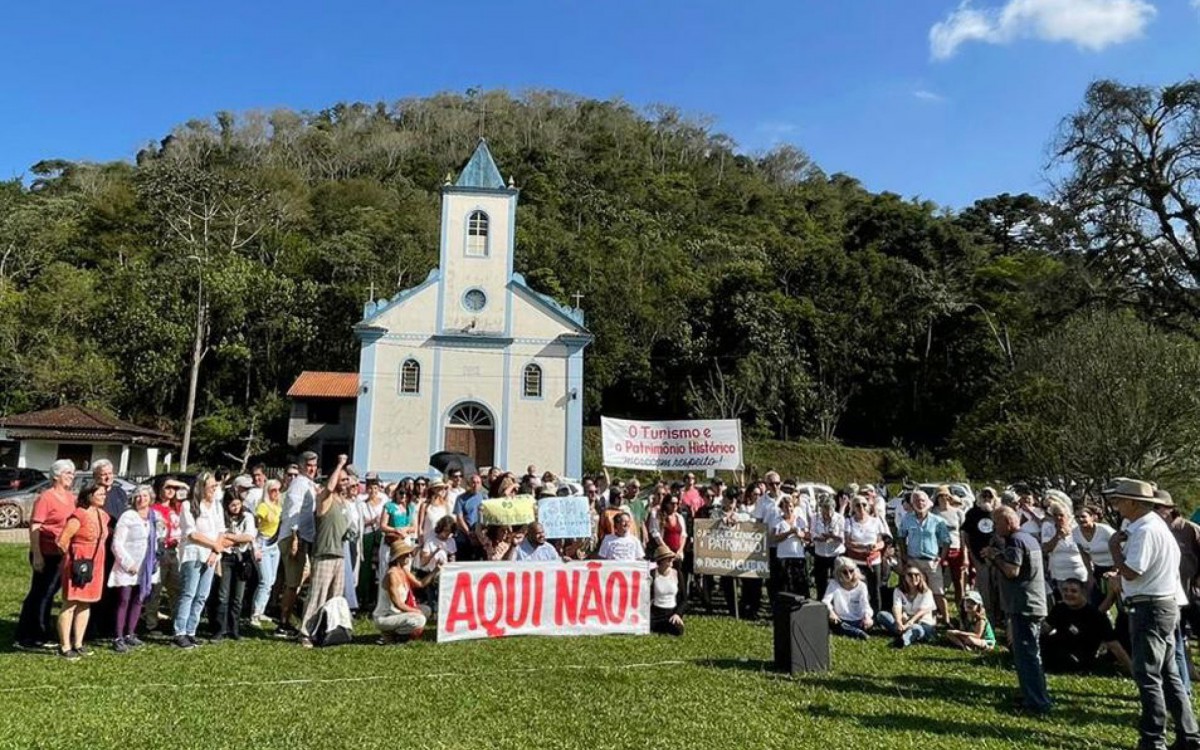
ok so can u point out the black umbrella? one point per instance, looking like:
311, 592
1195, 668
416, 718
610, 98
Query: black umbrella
448, 461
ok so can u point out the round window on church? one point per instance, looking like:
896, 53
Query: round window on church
474, 300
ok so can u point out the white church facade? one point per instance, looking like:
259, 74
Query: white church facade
472, 359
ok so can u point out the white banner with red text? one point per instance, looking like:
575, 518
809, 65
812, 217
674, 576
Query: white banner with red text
701, 444
499, 599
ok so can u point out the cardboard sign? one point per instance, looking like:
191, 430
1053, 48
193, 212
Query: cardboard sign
499, 599
738, 550
508, 511
707, 444
565, 517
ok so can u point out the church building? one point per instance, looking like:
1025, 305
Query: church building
472, 359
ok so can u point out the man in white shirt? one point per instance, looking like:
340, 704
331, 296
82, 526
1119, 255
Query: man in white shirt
454, 486
621, 545
1149, 570
766, 511
258, 477
297, 529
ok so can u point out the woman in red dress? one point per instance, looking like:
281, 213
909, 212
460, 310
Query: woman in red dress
82, 539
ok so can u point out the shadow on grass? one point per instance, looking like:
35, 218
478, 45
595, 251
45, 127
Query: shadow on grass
741, 665
978, 730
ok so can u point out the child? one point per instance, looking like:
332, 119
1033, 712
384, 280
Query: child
846, 597
978, 634
438, 550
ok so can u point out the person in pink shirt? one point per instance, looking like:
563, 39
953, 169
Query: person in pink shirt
690, 495
50, 513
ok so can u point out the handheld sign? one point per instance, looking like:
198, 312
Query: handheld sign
508, 511
565, 517
738, 550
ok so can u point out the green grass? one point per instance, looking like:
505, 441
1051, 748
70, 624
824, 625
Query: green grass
535, 693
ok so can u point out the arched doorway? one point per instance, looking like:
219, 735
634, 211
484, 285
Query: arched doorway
470, 430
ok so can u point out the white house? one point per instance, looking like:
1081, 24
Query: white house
472, 359
37, 439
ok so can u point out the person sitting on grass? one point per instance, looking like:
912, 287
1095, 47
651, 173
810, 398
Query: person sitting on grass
911, 619
849, 605
1075, 630
397, 614
666, 602
976, 633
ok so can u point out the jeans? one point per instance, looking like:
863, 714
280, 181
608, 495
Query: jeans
1156, 672
1027, 658
268, 567
919, 633
230, 593
849, 628
195, 581
870, 575
34, 625
1181, 656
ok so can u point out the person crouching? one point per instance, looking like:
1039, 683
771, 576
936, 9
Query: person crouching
397, 614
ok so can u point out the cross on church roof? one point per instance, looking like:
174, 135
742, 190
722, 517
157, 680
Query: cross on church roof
481, 171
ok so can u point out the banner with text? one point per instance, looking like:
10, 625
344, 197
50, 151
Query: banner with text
498, 599
738, 550
672, 446
508, 511
565, 517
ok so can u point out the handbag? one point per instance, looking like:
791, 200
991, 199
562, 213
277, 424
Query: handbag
82, 571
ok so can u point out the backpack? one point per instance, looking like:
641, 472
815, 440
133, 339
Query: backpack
335, 626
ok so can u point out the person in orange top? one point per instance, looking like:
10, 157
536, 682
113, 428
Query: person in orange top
49, 517
82, 539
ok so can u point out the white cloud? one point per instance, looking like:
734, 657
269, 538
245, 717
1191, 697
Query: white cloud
1090, 24
931, 97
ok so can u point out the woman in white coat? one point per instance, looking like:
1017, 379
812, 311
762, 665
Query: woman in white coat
135, 556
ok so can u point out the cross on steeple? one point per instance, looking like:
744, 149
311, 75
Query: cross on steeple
577, 297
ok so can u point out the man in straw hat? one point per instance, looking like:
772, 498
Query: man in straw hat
397, 614
1147, 559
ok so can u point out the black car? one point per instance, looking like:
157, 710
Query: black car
17, 479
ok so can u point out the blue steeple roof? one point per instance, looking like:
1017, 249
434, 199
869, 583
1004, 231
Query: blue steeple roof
481, 171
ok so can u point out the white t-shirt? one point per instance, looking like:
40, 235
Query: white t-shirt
793, 546
433, 514
442, 551
626, 547
1066, 561
544, 552
837, 527
1097, 548
866, 532
210, 523
1153, 554
766, 511
848, 604
922, 601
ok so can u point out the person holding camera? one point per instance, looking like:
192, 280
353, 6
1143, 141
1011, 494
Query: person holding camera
82, 546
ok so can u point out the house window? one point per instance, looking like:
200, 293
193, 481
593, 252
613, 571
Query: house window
532, 382
477, 235
324, 411
410, 376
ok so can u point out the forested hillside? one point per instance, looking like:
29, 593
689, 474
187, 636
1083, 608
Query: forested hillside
717, 283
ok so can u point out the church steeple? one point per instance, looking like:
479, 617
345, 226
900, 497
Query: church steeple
481, 171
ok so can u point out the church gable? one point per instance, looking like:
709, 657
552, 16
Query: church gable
412, 310
540, 317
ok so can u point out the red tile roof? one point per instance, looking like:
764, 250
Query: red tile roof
325, 385
82, 423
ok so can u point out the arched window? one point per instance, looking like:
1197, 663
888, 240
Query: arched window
532, 386
471, 416
477, 235
410, 376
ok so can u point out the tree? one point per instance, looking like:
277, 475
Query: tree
1104, 395
1132, 161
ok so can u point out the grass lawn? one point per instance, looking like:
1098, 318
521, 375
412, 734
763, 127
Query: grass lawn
712, 688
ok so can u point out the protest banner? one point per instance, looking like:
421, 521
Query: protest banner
499, 599
672, 446
508, 511
738, 550
565, 517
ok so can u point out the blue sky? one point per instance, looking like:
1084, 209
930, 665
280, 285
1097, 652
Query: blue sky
859, 84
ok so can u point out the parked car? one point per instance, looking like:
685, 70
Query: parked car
16, 479
17, 505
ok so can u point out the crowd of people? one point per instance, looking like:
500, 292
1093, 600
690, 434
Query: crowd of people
1045, 569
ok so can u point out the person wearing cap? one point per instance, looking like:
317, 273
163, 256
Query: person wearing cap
397, 614
1146, 558
667, 601
924, 541
327, 578
296, 532
977, 530
1075, 631
977, 633
1020, 562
